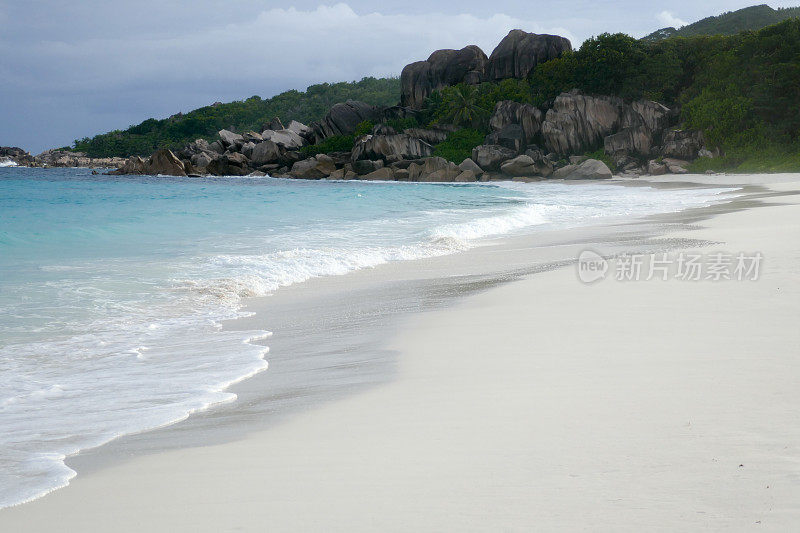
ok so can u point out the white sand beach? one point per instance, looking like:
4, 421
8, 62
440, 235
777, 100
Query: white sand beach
541, 404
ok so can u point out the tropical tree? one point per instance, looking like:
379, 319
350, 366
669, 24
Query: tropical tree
462, 107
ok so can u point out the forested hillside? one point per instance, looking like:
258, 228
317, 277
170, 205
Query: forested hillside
250, 114
730, 23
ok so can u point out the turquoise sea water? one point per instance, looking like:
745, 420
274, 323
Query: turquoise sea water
112, 289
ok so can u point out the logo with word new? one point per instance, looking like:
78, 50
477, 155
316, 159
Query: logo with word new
592, 266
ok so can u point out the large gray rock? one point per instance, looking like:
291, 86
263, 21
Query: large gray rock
286, 138
528, 117
578, 123
275, 124
134, 165
443, 68
591, 169
252, 136
217, 147
195, 147
165, 162
162, 162
469, 164
511, 137
313, 168
519, 52
636, 140
390, 147
381, 174
200, 161
544, 165
267, 152
683, 144
365, 166
466, 176
229, 138
247, 149
676, 166
229, 164
344, 118
433, 169
655, 116
299, 128
490, 156
642, 124
522, 165
654, 168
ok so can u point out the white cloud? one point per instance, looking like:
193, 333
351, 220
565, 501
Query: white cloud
329, 43
668, 19
112, 79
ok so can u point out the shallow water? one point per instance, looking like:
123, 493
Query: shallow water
112, 289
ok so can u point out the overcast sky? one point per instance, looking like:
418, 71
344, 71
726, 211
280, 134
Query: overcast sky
70, 69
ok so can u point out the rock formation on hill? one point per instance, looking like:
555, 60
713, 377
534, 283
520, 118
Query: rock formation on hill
519, 52
514, 57
343, 118
443, 68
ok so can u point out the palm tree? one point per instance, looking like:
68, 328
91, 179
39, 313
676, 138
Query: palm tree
462, 107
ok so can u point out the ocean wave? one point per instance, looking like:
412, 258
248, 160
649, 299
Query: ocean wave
524, 217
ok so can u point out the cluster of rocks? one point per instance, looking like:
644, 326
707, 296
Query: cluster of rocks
516, 55
58, 158
65, 158
525, 142
15, 155
638, 137
274, 150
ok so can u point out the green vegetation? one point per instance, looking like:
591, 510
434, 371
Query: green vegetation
472, 106
334, 143
400, 124
770, 159
251, 114
458, 145
730, 23
364, 128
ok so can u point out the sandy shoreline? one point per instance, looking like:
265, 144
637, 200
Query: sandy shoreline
542, 403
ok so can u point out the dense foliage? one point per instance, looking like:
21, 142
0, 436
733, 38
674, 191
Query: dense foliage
250, 114
471, 106
730, 23
742, 91
334, 143
458, 145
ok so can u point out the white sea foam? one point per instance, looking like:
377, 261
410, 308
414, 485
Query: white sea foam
5, 163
